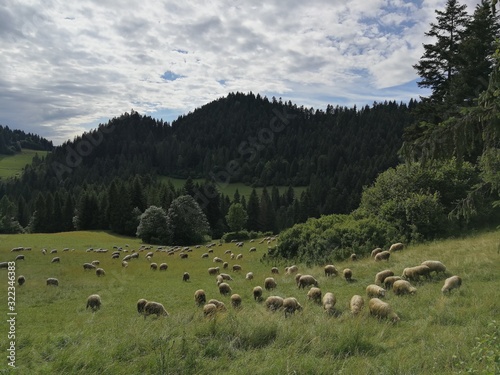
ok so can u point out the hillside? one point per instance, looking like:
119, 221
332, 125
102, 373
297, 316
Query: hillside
13, 165
437, 334
13, 141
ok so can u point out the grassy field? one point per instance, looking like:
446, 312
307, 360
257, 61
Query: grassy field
55, 334
12, 165
230, 189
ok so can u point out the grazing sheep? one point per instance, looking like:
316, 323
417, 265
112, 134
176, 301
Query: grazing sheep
329, 302
314, 294
236, 301
95, 262
219, 280
257, 293
209, 310
19, 257
389, 281
376, 251
204, 255
275, 271
53, 251
140, 305
236, 268
154, 308
21, 280
55, 260
225, 276
153, 266
115, 256
396, 247
218, 260
353, 257
183, 255
185, 276
347, 274
290, 305
124, 264
88, 266
383, 255
307, 280
331, 270
4, 264
435, 265
213, 270
274, 303
292, 269
249, 276
373, 290
239, 256
100, 272
225, 265
356, 304
220, 305
94, 302
382, 310
414, 273
252, 249
52, 281
270, 283
382, 275
403, 287
453, 282
224, 289
163, 267
200, 297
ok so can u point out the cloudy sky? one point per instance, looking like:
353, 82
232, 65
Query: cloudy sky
66, 66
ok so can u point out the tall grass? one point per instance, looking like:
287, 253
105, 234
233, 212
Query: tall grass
55, 334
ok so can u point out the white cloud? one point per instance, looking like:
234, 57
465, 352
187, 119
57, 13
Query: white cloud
64, 66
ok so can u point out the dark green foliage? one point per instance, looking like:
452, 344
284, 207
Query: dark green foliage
11, 141
153, 226
236, 217
186, 221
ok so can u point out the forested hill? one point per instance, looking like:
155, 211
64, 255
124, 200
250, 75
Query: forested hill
12, 141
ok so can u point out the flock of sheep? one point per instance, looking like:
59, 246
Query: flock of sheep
384, 281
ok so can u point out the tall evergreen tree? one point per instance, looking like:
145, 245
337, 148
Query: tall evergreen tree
253, 211
267, 216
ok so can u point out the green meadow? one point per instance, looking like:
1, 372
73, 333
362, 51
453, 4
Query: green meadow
230, 189
12, 165
55, 334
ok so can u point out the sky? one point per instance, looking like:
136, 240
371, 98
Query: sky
66, 66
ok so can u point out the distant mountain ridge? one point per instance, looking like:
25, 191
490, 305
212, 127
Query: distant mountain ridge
12, 141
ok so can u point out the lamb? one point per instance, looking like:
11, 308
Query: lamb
435, 265
331, 270
55, 260
376, 251
314, 295
290, 305
382, 275
100, 272
257, 293
224, 289
396, 247
270, 283
383, 255
52, 281
199, 297
163, 267
213, 270
329, 302
373, 290
307, 280
275, 270
154, 308
382, 310
88, 266
356, 304
414, 273
453, 282
140, 305
249, 276
347, 272
403, 287
389, 281
236, 301
274, 303
185, 276
94, 302
236, 268
21, 280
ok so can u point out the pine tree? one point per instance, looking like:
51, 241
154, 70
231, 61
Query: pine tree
267, 215
253, 211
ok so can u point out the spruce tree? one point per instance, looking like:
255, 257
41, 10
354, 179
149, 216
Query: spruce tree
253, 211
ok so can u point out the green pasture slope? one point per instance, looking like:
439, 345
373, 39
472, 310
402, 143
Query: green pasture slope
12, 165
55, 334
230, 189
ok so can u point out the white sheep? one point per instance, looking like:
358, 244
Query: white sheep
347, 272
396, 247
275, 270
55, 260
249, 276
329, 302
213, 270
376, 251
185, 276
382, 275
292, 269
382, 310
94, 302
21, 280
52, 281
403, 287
290, 305
224, 289
140, 305
200, 297
270, 283
163, 267
389, 281
373, 290
453, 282
209, 310
435, 265
383, 255
100, 272
414, 273
307, 280
314, 294
330, 270
274, 303
236, 301
356, 304
154, 308
257, 293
